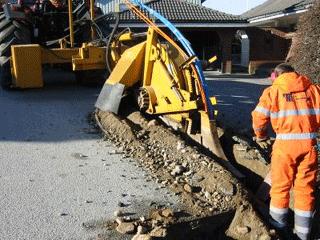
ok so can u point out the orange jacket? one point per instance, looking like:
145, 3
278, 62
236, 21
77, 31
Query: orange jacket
292, 104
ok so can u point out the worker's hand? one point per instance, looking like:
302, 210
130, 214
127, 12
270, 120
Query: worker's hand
264, 143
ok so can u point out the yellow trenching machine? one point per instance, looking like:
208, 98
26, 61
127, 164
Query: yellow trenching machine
166, 78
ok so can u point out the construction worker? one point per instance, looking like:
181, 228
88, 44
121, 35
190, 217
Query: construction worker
292, 105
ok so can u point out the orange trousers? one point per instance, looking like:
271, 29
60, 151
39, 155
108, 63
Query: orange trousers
293, 164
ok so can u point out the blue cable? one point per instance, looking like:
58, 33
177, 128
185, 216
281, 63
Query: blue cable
186, 45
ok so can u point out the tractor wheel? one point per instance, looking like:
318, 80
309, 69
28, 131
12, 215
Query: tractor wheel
11, 32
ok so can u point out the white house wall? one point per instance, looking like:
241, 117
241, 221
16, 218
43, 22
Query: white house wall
245, 50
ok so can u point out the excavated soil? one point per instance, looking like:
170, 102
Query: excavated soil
217, 203
213, 198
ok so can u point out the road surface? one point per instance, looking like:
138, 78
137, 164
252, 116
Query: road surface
55, 173
237, 97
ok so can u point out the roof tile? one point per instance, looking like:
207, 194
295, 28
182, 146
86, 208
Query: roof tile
272, 7
182, 11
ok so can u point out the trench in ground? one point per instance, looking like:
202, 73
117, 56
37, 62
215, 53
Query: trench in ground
207, 226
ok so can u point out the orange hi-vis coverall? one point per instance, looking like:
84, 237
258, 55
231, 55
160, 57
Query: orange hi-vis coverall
292, 104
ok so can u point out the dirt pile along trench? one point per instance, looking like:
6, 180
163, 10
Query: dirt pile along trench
216, 201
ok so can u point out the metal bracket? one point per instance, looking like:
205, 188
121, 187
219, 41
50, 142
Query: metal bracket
188, 62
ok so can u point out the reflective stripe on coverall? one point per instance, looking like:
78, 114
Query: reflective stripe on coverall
292, 104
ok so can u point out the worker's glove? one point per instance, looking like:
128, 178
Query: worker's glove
264, 143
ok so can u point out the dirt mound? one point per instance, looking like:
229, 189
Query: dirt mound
207, 190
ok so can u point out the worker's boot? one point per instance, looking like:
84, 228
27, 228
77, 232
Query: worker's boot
286, 233
303, 222
300, 236
278, 220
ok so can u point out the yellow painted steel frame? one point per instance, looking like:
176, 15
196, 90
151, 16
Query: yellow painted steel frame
167, 86
129, 67
70, 23
89, 58
26, 66
170, 89
27, 61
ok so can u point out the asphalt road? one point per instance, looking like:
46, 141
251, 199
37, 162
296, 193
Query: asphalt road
55, 173
237, 97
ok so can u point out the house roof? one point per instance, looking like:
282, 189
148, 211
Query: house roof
274, 7
178, 11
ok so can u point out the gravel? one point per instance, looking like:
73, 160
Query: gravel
217, 193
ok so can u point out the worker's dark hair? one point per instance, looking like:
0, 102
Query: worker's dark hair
284, 68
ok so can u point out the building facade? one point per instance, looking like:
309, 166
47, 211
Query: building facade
271, 28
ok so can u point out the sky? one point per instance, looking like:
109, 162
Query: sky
232, 6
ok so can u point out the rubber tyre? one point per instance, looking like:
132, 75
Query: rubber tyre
11, 32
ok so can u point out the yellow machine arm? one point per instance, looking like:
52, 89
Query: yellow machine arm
164, 83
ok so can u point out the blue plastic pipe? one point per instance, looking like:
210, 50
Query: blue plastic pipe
186, 45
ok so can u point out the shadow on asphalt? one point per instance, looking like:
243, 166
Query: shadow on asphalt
236, 98
57, 112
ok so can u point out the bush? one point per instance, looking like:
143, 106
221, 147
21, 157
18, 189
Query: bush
306, 53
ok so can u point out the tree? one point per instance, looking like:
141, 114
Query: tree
306, 50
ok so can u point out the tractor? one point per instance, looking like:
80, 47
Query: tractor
42, 22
